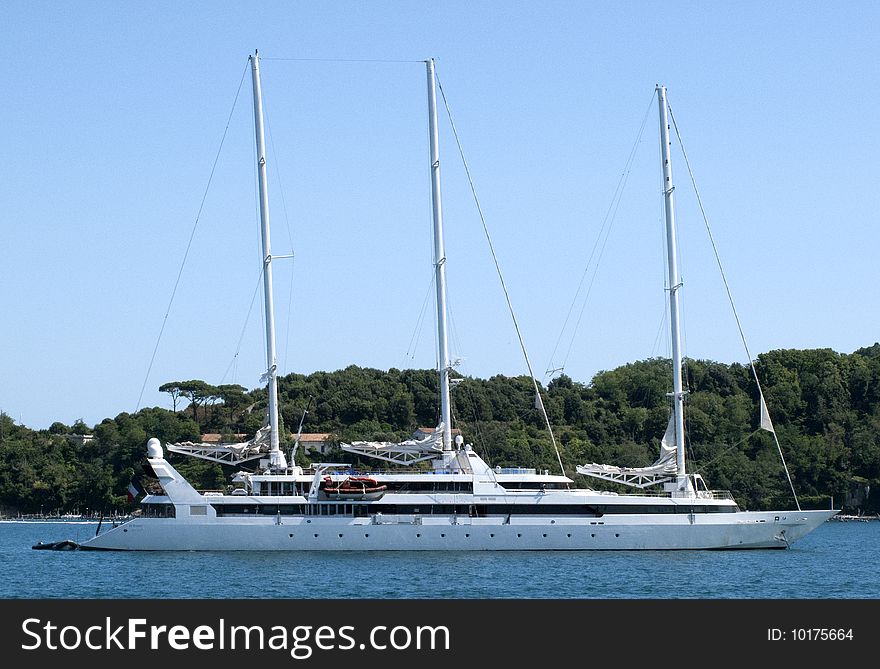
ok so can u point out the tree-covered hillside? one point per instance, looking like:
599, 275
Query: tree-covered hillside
825, 408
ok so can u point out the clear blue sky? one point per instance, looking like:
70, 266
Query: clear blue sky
113, 113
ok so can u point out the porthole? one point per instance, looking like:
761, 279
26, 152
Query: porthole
568, 535
491, 535
316, 536
467, 535
545, 536
366, 535
442, 535
616, 535
418, 535
340, 536
518, 535
290, 535
592, 535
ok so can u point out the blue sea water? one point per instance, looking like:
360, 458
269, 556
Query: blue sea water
836, 561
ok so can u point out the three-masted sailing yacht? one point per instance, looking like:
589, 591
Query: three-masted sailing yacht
461, 502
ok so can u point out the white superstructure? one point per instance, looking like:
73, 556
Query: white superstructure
460, 502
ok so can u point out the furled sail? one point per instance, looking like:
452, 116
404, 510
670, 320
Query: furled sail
401, 452
663, 469
228, 453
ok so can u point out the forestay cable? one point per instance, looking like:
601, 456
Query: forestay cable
417, 330
765, 417
191, 237
610, 215
244, 326
277, 171
539, 401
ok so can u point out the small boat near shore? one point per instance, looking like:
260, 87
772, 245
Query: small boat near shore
65, 545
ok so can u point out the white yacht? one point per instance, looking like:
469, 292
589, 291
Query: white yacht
453, 500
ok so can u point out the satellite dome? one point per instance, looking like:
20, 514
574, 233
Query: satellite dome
154, 448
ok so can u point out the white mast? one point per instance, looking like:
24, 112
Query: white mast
439, 260
276, 456
674, 285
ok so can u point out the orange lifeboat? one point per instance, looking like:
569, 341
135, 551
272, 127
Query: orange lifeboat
353, 488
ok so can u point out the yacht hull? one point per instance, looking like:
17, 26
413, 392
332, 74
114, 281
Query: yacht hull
741, 530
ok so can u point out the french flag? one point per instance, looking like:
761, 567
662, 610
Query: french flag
132, 492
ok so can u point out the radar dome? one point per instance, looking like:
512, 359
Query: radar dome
154, 448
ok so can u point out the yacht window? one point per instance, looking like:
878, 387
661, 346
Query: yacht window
159, 511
